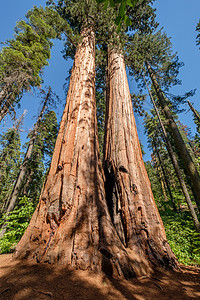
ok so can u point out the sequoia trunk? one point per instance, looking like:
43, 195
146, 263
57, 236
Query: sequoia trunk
182, 150
130, 200
71, 224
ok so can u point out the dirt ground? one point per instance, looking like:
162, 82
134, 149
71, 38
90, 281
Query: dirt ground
20, 281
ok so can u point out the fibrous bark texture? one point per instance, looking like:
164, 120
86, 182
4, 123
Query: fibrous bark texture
130, 199
71, 224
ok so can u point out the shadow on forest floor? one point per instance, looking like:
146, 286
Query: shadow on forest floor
21, 280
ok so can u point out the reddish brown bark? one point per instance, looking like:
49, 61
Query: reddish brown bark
131, 201
71, 224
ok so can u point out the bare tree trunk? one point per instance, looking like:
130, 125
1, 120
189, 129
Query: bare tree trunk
182, 150
165, 176
161, 175
166, 179
129, 194
14, 195
176, 168
71, 225
4, 158
195, 112
4, 111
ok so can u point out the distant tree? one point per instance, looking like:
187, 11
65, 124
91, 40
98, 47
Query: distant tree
10, 160
152, 56
40, 136
176, 167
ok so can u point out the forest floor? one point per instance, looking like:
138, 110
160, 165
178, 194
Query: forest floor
20, 280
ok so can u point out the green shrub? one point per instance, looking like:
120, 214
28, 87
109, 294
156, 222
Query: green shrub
17, 222
182, 237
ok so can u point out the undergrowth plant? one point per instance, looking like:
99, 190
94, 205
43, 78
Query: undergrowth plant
17, 222
182, 237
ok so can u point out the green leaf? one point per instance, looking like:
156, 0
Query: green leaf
128, 21
119, 26
106, 4
122, 9
112, 3
129, 2
117, 20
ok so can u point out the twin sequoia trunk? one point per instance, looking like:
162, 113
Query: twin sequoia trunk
129, 194
71, 224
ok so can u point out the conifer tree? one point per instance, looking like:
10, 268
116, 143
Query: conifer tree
156, 57
24, 57
39, 161
10, 159
129, 195
35, 154
73, 223
176, 167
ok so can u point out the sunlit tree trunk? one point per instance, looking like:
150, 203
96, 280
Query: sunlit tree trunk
195, 112
162, 174
176, 167
165, 176
71, 224
182, 150
129, 194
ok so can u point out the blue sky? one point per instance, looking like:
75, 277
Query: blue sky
179, 19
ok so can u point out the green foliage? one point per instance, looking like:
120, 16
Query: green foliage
23, 58
122, 6
156, 48
17, 222
10, 159
182, 237
198, 35
40, 159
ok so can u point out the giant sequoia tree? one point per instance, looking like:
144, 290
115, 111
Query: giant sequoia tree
129, 194
72, 224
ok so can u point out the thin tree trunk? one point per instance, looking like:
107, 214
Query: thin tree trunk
14, 195
176, 168
5, 158
161, 176
196, 114
129, 194
182, 150
71, 225
165, 176
4, 111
